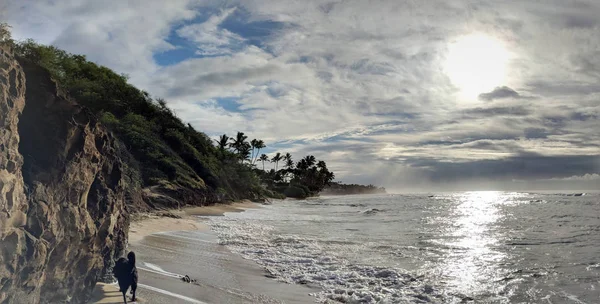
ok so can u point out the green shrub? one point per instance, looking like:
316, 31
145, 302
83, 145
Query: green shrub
295, 192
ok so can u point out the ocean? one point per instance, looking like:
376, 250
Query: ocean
467, 247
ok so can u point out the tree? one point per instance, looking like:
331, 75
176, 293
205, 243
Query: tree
259, 145
287, 157
244, 152
312, 174
310, 160
5, 32
289, 166
263, 158
222, 143
289, 163
253, 144
276, 159
322, 165
238, 142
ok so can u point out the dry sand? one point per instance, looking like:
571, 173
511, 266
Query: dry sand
107, 293
174, 220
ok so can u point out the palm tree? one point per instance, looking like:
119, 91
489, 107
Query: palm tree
276, 160
263, 158
310, 160
289, 163
253, 144
302, 165
322, 165
244, 152
222, 142
238, 142
329, 176
289, 166
287, 157
259, 145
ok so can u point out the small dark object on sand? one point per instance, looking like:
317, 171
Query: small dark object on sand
187, 279
126, 274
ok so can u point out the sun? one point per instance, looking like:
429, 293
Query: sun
476, 63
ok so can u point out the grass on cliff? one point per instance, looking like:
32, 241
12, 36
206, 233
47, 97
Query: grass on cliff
167, 150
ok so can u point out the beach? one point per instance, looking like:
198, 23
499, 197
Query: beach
170, 245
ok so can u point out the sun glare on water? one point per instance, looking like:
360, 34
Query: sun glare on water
476, 64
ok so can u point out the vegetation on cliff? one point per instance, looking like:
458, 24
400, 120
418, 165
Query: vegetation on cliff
346, 189
166, 151
301, 179
169, 154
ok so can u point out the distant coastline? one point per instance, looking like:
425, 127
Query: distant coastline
351, 189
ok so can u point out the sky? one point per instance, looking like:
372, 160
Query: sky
410, 95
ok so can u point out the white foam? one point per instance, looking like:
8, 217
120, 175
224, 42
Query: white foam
299, 260
158, 270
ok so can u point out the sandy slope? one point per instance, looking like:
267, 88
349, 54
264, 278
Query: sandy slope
147, 224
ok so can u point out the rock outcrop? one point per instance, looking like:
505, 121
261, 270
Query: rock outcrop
63, 217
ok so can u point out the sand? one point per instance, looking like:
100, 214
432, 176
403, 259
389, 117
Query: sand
155, 224
219, 210
175, 220
106, 293
148, 224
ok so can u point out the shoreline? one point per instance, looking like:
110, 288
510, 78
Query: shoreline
146, 224
185, 219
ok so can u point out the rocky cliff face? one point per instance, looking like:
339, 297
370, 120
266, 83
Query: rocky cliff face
63, 217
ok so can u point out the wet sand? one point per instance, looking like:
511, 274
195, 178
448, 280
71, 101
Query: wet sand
219, 210
166, 253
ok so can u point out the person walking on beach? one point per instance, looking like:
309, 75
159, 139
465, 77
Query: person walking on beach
126, 274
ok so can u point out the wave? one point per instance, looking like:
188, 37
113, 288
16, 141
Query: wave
372, 211
297, 260
357, 205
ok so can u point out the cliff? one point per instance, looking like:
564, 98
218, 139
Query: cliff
63, 217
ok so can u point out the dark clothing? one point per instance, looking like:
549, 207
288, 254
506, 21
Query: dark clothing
126, 274
134, 279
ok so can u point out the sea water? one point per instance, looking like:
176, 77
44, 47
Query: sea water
469, 247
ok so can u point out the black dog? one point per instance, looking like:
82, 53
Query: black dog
126, 274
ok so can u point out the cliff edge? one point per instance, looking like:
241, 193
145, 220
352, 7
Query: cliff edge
63, 217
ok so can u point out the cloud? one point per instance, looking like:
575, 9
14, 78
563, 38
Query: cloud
500, 93
499, 111
535, 133
359, 85
210, 37
586, 177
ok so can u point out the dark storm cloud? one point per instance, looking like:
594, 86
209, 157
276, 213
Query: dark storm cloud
531, 133
582, 116
498, 111
562, 88
500, 93
241, 75
524, 167
219, 79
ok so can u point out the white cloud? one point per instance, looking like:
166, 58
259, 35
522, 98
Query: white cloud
353, 71
586, 177
211, 39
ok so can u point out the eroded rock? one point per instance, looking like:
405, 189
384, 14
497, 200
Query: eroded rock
63, 217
